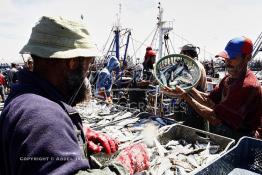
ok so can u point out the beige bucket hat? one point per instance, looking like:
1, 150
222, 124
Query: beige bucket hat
56, 37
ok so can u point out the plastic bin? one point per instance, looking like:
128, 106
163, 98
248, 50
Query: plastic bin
246, 154
189, 134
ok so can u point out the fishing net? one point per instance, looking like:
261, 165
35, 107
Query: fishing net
177, 70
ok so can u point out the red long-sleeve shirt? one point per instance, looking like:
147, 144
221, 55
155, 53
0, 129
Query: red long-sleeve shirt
2, 79
239, 103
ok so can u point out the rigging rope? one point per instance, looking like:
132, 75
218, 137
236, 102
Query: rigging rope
153, 39
107, 40
184, 39
133, 48
143, 42
166, 37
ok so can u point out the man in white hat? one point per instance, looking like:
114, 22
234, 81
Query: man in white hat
192, 118
41, 133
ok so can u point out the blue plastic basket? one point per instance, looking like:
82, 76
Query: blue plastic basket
246, 154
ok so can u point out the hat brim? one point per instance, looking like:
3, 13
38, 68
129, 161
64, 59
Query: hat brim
58, 52
222, 54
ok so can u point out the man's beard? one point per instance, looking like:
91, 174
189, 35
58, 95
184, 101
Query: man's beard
78, 86
235, 71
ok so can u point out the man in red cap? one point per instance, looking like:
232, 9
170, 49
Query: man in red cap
234, 106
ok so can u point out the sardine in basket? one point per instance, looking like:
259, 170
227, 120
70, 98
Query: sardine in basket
246, 155
180, 69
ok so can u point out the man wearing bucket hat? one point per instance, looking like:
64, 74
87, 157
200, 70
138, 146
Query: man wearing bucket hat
41, 133
234, 106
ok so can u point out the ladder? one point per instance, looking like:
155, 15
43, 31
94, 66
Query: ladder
257, 45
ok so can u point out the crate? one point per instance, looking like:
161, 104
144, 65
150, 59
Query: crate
191, 135
246, 154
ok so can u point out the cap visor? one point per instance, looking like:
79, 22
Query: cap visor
222, 54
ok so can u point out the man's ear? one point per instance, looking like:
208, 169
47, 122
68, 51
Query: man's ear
73, 64
248, 57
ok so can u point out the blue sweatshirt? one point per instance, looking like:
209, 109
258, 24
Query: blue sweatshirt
104, 80
40, 133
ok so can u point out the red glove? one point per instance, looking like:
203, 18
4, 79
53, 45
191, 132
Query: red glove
96, 141
135, 158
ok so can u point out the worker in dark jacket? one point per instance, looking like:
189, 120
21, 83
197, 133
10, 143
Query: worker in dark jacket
40, 131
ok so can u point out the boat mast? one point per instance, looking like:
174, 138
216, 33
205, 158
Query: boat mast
163, 28
160, 30
117, 33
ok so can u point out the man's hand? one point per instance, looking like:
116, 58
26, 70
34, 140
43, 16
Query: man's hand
109, 100
96, 141
178, 92
134, 158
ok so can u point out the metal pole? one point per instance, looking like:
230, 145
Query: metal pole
117, 38
127, 42
155, 108
160, 27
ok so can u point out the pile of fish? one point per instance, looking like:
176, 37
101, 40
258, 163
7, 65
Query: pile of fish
176, 71
97, 114
166, 156
176, 157
179, 157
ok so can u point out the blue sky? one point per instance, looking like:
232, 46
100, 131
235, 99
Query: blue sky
208, 24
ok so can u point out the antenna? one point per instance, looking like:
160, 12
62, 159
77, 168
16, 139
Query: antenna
118, 16
163, 29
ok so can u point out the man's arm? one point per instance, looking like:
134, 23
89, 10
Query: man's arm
201, 97
201, 108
